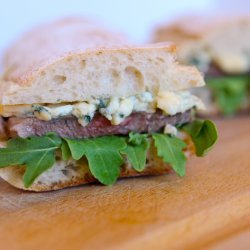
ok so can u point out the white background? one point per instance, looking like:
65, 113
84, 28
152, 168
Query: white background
134, 17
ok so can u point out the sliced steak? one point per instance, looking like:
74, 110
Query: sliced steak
214, 71
3, 132
70, 128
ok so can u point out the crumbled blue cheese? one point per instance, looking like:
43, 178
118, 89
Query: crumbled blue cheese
118, 109
60, 111
233, 62
110, 108
84, 112
46, 113
115, 109
126, 106
170, 130
200, 59
42, 112
177, 102
144, 102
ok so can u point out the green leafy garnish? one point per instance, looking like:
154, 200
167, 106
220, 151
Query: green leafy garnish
230, 92
136, 150
103, 155
203, 133
65, 150
136, 138
170, 149
36, 153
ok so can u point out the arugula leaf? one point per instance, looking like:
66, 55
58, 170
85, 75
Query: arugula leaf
136, 150
229, 92
36, 153
203, 133
103, 155
65, 150
136, 138
76, 148
170, 149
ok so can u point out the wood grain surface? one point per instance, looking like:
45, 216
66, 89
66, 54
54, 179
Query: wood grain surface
207, 209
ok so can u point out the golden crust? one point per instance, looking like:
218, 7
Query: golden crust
74, 60
63, 40
193, 27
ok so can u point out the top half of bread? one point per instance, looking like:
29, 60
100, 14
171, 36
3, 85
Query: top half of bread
224, 40
75, 59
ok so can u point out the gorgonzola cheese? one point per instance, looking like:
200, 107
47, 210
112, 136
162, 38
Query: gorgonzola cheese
84, 112
177, 102
170, 130
115, 109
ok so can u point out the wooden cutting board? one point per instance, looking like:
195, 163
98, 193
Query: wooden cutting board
209, 208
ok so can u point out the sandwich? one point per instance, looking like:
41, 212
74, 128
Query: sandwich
220, 48
79, 104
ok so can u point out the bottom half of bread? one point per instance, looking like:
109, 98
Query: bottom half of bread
73, 173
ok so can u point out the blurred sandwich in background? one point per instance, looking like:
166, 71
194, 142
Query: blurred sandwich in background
220, 48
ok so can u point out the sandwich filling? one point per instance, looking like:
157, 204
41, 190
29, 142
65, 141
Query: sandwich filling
114, 109
98, 117
104, 131
229, 91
